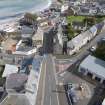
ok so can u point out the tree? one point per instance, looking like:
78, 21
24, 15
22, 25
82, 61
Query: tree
70, 32
100, 51
30, 18
90, 21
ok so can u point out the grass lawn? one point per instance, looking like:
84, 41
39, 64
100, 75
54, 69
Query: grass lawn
75, 18
81, 18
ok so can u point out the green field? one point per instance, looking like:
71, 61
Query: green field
81, 18
75, 18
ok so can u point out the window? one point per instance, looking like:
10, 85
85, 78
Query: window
98, 79
82, 70
104, 82
90, 74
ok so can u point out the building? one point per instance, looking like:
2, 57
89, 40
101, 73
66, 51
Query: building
93, 11
26, 32
78, 25
15, 82
30, 18
9, 45
22, 88
79, 41
9, 69
38, 38
94, 68
64, 8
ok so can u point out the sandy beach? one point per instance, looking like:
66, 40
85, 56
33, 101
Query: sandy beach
12, 22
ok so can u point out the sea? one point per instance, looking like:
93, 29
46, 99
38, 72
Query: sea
13, 8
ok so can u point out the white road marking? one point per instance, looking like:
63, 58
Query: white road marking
50, 100
43, 91
55, 79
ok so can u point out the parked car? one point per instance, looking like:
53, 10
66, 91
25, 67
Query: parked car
92, 49
103, 39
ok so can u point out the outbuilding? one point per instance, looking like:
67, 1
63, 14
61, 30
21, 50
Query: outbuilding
93, 67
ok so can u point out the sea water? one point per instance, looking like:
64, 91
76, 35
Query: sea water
12, 8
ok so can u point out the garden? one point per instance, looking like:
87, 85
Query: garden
85, 20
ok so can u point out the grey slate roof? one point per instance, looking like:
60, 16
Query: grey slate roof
94, 65
16, 81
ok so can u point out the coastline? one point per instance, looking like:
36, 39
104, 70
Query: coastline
10, 21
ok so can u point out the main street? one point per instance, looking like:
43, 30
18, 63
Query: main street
47, 92
50, 97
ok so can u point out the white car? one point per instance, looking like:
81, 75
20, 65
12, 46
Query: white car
93, 48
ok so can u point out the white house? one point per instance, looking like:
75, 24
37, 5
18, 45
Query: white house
64, 8
38, 38
9, 69
94, 67
76, 43
93, 11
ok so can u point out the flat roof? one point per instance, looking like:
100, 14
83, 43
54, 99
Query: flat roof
33, 78
7, 44
15, 81
9, 69
13, 99
94, 65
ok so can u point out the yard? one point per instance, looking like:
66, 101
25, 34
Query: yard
86, 21
97, 19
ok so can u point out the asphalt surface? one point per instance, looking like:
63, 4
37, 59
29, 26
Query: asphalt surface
50, 96
48, 42
47, 92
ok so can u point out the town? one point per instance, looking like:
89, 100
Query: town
55, 56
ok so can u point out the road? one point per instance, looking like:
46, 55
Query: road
84, 51
47, 92
48, 42
50, 97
